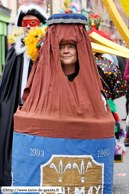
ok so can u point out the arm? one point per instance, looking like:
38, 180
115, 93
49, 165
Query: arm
126, 73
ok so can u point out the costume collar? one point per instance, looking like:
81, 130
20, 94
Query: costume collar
20, 46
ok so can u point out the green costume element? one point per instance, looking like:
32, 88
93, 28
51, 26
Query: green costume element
39, 44
116, 129
112, 105
113, 108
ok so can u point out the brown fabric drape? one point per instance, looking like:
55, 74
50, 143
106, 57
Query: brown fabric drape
55, 107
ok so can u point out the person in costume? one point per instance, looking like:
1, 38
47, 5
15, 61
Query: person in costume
114, 87
68, 57
110, 76
62, 117
126, 76
112, 81
122, 64
14, 78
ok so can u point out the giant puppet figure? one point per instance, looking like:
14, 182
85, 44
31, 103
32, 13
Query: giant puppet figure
64, 132
14, 78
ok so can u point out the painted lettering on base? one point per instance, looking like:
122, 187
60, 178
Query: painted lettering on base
76, 174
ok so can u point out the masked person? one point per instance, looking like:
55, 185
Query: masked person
67, 133
14, 78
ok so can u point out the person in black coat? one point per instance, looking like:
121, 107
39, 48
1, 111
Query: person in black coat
13, 81
122, 64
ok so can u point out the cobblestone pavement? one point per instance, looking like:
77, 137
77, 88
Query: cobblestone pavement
121, 170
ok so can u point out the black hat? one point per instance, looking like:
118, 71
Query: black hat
31, 9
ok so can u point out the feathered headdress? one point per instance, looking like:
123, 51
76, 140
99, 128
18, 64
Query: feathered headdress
34, 40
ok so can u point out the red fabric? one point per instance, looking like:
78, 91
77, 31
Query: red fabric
116, 116
101, 33
126, 73
55, 107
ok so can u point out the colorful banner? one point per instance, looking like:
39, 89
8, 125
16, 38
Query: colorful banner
84, 166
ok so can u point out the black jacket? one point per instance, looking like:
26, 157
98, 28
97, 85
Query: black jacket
122, 64
10, 97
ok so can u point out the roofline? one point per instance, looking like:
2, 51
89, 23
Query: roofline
5, 10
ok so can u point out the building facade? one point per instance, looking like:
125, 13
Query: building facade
9, 8
53, 6
107, 25
25, 2
4, 21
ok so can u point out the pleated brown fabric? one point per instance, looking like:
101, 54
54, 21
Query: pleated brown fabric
55, 107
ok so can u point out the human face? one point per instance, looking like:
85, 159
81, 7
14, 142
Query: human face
68, 56
124, 44
27, 28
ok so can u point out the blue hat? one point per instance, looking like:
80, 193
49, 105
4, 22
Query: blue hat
67, 18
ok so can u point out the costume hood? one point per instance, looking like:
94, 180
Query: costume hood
31, 9
52, 104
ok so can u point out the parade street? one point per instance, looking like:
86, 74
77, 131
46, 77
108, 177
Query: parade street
121, 170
